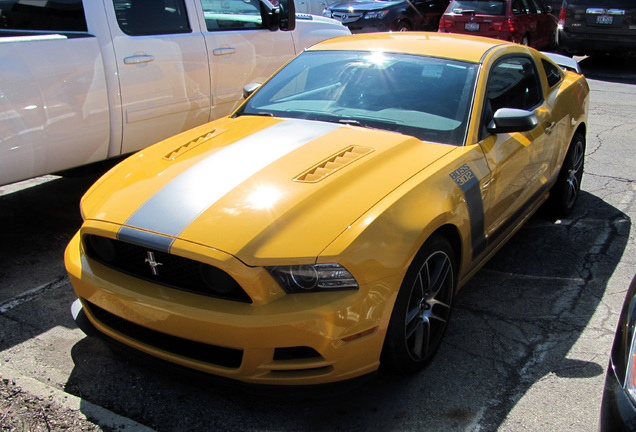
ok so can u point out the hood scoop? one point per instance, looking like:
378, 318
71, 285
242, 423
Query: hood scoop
182, 149
333, 163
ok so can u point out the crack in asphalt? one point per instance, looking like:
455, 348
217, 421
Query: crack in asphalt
31, 294
618, 179
538, 336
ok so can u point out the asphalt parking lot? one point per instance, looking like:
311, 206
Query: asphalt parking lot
527, 347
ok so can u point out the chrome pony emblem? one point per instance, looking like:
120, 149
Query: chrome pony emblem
154, 265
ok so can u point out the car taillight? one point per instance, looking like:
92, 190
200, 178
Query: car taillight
562, 15
445, 24
504, 26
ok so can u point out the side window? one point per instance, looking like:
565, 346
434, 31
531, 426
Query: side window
552, 72
529, 5
42, 15
518, 8
513, 83
151, 17
536, 5
232, 14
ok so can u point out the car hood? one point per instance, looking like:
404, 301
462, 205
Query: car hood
258, 188
364, 5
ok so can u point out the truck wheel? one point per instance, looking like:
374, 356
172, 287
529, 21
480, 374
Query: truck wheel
422, 308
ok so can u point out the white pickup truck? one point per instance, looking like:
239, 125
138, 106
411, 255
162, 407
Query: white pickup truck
86, 80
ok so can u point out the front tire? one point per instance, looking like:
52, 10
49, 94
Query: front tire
566, 191
403, 26
422, 308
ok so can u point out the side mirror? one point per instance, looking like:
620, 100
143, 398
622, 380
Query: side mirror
249, 89
281, 17
269, 14
508, 120
287, 15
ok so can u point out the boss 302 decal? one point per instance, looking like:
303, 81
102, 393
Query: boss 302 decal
468, 183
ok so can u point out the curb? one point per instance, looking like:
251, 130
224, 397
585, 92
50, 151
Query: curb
89, 411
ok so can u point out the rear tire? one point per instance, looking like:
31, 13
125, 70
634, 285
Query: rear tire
525, 40
422, 308
566, 190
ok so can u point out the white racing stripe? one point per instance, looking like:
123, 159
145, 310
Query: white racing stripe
177, 204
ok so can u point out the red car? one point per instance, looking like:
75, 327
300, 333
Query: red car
523, 21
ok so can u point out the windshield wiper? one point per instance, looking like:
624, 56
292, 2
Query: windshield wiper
351, 122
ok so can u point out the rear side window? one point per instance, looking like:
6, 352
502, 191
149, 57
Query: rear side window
480, 7
42, 15
552, 72
151, 17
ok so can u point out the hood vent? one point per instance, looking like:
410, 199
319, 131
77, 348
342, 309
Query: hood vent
179, 151
333, 164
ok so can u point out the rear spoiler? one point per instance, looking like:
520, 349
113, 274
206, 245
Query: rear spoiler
564, 62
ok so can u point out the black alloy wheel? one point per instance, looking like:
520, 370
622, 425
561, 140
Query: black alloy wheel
422, 308
568, 186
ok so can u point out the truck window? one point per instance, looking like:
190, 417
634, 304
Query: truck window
42, 15
151, 17
232, 14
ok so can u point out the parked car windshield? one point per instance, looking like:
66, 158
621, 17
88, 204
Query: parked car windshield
481, 7
424, 97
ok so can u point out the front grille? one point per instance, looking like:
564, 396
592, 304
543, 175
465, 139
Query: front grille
212, 354
164, 268
346, 17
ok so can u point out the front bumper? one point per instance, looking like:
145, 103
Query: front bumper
297, 339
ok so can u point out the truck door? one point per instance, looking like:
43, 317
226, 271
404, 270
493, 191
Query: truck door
163, 69
54, 111
240, 49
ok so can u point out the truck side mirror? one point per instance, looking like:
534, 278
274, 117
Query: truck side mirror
287, 15
280, 17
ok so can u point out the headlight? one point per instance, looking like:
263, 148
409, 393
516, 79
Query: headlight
313, 278
326, 13
376, 14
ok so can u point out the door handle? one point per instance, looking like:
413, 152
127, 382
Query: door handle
140, 58
223, 51
548, 129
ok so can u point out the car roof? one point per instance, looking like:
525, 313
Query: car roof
445, 45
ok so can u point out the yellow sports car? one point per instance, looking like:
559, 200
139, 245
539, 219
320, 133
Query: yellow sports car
323, 229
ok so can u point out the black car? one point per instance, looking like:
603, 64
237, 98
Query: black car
592, 27
363, 16
618, 409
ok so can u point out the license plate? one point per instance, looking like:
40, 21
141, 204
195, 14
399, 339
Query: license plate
604, 19
471, 26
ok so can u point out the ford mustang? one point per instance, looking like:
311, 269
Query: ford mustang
323, 229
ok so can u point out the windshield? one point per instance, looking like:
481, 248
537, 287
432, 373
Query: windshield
424, 97
480, 7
